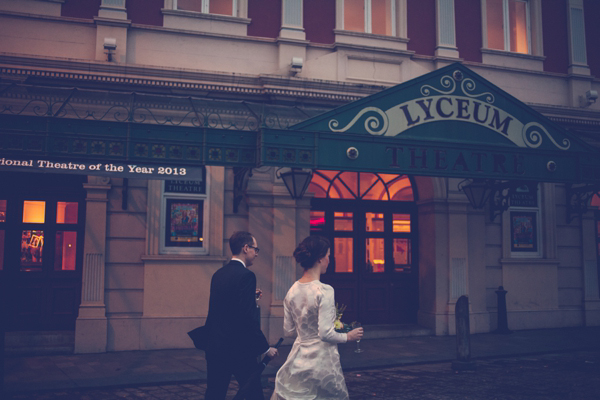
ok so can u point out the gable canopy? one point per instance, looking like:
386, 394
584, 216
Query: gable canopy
450, 122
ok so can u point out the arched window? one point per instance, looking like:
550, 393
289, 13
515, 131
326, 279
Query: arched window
361, 186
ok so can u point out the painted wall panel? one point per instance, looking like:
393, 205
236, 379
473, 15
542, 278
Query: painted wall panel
266, 18
591, 9
556, 38
87, 9
469, 38
146, 12
319, 20
421, 26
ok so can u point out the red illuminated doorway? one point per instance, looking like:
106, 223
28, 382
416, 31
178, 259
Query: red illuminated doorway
41, 230
370, 220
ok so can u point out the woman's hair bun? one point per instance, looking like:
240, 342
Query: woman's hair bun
311, 250
301, 254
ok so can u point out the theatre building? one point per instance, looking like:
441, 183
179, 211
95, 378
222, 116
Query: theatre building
444, 147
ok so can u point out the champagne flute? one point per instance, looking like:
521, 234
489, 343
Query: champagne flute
358, 349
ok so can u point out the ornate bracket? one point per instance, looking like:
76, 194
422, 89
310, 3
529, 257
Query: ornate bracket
241, 175
579, 198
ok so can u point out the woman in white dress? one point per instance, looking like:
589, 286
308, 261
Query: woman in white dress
312, 369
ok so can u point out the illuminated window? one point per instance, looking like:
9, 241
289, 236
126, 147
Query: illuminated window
2, 210
402, 255
360, 185
508, 25
65, 251
66, 212
342, 221
375, 255
401, 223
34, 212
317, 221
343, 254
370, 16
374, 222
32, 250
223, 7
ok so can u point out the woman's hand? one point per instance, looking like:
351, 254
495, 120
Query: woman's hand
355, 334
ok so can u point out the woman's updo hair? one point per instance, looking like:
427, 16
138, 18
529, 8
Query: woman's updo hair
312, 249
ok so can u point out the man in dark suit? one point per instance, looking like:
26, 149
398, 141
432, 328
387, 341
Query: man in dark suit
234, 332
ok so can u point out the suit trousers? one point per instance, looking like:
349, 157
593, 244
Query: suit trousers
219, 372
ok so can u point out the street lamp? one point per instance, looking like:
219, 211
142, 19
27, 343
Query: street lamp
296, 180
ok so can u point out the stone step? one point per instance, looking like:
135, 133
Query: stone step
39, 342
393, 331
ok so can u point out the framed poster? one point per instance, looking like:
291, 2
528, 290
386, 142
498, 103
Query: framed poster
523, 230
184, 223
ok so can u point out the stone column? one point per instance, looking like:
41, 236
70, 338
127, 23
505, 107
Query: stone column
591, 297
445, 29
91, 324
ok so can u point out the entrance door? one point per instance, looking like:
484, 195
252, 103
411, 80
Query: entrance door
373, 267
41, 235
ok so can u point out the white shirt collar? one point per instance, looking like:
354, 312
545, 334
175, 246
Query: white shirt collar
237, 259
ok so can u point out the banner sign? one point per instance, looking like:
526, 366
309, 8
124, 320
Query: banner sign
112, 169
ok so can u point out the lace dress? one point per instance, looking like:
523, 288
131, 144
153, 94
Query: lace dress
312, 369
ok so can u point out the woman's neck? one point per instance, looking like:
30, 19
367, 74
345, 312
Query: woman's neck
310, 275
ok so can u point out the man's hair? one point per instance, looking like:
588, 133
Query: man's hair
238, 240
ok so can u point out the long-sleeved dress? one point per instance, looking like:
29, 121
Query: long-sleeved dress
312, 369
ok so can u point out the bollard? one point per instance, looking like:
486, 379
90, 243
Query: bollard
502, 313
463, 332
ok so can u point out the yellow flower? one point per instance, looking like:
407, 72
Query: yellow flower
338, 324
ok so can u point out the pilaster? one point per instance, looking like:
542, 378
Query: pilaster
591, 296
91, 324
112, 24
292, 38
445, 29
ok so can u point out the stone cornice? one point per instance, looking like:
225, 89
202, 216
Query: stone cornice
68, 72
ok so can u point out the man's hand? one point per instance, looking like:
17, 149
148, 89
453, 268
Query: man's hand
272, 352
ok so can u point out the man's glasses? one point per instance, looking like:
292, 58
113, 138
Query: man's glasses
256, 249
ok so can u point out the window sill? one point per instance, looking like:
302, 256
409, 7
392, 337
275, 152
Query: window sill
202, 22
513, 60
361, 39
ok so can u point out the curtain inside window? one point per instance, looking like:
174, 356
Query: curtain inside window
495, 24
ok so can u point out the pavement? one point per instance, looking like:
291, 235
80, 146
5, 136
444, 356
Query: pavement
181, 366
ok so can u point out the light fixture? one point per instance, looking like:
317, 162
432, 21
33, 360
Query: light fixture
296, 65
110, 45
477, 191
591, 96
296, 180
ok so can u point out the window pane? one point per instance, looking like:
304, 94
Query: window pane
184, 223
381, 14
317, 221
342, 221
66, 212
495, 23
34, 212
354, 15
2, 210
66, 249
375, 256
32, 246
1, 250
517, 14
374, 222
401, 223
224, 7
343, 255
189, 5
402, 258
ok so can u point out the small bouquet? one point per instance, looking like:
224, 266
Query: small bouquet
338, 325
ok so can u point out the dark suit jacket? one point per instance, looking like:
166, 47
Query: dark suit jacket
233, 328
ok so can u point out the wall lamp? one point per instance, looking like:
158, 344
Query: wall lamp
110, 45
579, 199
296, 65
591, 96
496, 193
296, 180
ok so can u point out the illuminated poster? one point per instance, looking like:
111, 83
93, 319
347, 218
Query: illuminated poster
523, 227
184, 223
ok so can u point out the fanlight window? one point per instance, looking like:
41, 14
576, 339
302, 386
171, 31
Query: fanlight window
361, 186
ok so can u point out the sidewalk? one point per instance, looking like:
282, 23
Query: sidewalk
181, 365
